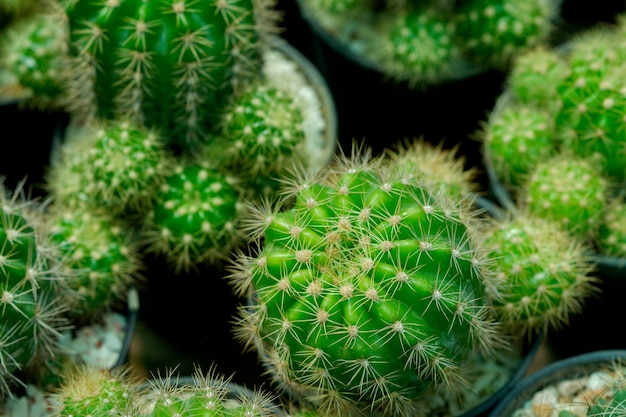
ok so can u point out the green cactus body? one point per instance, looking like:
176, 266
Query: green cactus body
368, 291
540, 270
33, 51
570, 191
113, 165
89, 391
261, 134
169, 64
612, 233
535, 76
337, 6
492, 32
195, 216
593, 107
102, 259
421, 45
31, 314
516, 140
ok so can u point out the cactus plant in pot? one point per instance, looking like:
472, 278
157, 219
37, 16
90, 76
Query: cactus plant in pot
373, 284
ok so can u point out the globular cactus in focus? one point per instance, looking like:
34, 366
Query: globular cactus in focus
33, 53
366, 292
168, 64
541, 273
32, 316
114, 165
195, 215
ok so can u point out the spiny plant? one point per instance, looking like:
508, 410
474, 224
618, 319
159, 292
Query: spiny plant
32, 54
195, 215
542, 274
114, 165
32, 316
170, 64
612, 232
101, 255
366, 291
260, 134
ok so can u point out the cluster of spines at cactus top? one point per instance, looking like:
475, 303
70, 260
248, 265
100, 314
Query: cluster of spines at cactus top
169, 65
367, 291
579, 90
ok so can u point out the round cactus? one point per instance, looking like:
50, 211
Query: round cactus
516, 140
195, 215
612, 233
33, 52
568, 190
541, 273
366, 292
493, 32
170, 65
114, 165
31, 313
102, 259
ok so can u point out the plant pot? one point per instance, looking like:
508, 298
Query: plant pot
554, 373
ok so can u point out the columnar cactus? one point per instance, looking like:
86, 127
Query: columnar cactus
195, 215
366, 292
31, 314
113, 165
169, 64
541, 273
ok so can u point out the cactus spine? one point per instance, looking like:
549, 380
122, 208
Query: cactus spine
351, 307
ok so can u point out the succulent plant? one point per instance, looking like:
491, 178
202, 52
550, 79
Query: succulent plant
31, 314
612, 232
542, 274
170, 65
114, 165
366, 292
32, 54
195, 215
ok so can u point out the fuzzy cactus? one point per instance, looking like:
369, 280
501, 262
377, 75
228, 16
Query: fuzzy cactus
542, 274
31, 313
32, 54
113, 165
516, 140
195, 215
493, 32
100, 255
570, 191
168, 64
366, 292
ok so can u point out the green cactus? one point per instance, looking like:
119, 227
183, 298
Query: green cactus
101, 256
516, 139
114, 165
32, 54
570, 191
365, 293
195, 215
31, 313
612, 232
542, 274
493, 32
168, 64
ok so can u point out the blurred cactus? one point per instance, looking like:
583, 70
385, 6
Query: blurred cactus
612, 233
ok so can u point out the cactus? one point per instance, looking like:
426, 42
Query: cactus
113, 165
31, 313
366, 292
493, 32
32, 53
170, 65
101, 256
542, 274
612, 232
570, 191
516, 139
195, 215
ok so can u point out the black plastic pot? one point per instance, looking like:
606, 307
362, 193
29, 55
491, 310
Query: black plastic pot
555, 372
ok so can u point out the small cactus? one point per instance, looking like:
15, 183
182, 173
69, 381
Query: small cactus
170, 65
542, 274
365, 293
612, 233
195, 215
